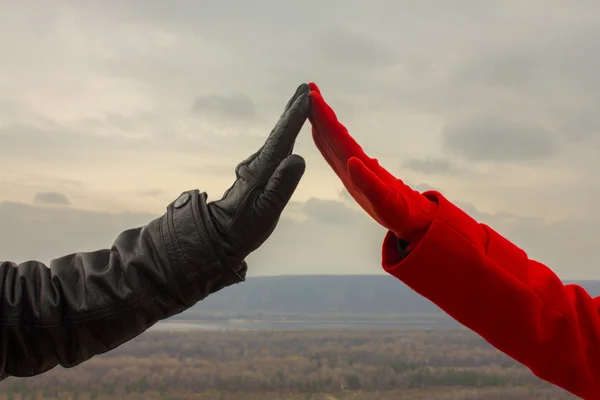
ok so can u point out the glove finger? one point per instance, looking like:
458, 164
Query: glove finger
335, 139
332, 132
250, 169
280, 142
376, 191
241, 168
281, 186
313, 87
302, 89
337, 165
367, 181
341, 170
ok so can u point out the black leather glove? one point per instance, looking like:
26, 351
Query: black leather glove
249, 211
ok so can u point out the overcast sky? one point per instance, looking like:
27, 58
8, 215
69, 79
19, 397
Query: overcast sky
110, 109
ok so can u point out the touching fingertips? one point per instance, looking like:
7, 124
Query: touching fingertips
321, 111
313, 87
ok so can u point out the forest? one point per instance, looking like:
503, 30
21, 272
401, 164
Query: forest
452, 364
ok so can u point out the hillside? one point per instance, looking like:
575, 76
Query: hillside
316, 294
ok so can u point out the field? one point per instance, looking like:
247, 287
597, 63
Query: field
451, 364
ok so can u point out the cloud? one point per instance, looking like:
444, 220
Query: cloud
499, 139
46, 143
313, 237
423, 187
329, 211
51, 198
507, 68
352, 50
44, 233
432, 166
236, 106
494, 102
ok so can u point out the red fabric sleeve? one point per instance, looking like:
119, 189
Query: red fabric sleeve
518, 305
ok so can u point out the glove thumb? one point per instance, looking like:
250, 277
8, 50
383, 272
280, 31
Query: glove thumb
281, 185
400, 209
367, 182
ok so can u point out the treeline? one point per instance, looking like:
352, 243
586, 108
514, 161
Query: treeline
300, 363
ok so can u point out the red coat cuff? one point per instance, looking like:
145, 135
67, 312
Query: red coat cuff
447, 215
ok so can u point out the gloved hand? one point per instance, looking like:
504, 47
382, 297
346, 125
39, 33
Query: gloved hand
390, 202
249, 211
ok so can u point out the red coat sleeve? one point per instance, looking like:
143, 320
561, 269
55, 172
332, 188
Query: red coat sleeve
518, 305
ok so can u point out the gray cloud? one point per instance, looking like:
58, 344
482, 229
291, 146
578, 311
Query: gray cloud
345, 195
236, 106
352, 50
100, 93
51, 198
59, 144
116, 138
432, 166
328, 211
423, 187
582, 125
331, 239
499, 139
512, 69
43, 233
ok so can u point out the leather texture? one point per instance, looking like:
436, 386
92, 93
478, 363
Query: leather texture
249, 210
88, 303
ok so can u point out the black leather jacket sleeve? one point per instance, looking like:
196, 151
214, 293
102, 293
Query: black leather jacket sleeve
88, 303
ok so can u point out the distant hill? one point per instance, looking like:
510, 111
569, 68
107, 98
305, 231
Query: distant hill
317, 294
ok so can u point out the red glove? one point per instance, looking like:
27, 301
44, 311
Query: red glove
397, 207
